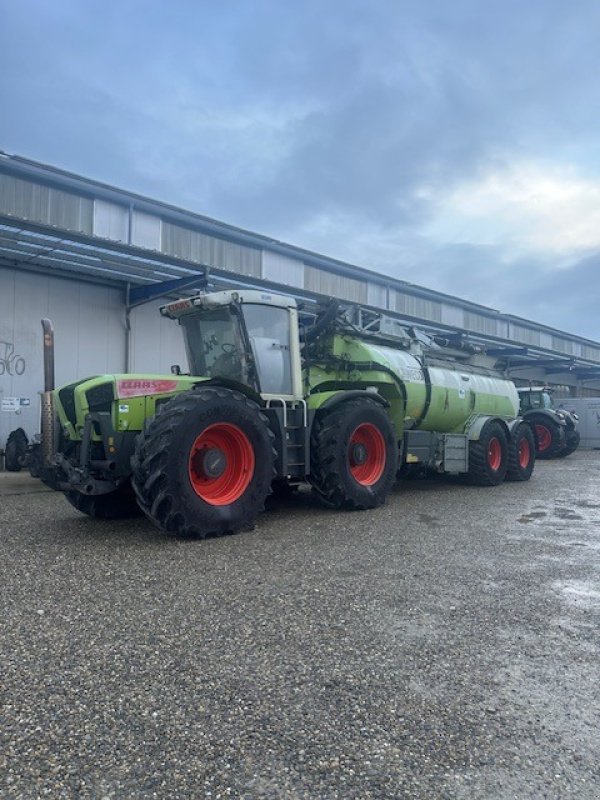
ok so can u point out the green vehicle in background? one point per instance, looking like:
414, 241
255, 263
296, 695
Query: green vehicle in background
343, 400
555, 429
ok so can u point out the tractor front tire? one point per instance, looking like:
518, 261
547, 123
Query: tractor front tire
521, 453
119, 504
573, 438
354, 455
488, 456
204, 464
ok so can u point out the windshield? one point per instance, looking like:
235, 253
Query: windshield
214, 344
537, 400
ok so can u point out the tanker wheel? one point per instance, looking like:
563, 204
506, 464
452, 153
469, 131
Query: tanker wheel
15, 450
573, 439
354, 455
547, 435
119, 504
204, 464
521, 454
488, 456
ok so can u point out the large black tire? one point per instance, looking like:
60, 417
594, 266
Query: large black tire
204, 464
354, 455
488, 456
119, 504
573, 438
548, 440
15, 450
521, 453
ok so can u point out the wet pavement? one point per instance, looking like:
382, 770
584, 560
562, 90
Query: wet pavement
446, 645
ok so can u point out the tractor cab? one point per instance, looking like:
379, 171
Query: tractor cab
250, 338
535, 397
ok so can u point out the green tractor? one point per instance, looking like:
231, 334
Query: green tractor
555, 429
342, 399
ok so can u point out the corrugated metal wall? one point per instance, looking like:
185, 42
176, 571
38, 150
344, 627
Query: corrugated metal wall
193, 246
415, 306
329, 283
50, 206
480, 323
282, 269
525, 335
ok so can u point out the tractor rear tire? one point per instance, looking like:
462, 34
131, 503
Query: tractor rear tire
15, 450
521, 453
119, 504
488, 456
547, 437
354, 455
204, 464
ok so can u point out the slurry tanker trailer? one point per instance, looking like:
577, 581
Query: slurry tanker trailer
343, 400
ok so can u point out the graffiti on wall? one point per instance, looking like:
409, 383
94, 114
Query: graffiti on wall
11, 363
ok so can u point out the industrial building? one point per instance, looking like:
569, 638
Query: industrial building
98, 260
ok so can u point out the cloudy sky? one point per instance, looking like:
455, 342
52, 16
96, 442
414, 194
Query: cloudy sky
452, 144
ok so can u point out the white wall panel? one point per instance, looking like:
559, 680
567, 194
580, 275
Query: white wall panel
156, 342
279, 268
90, 338
111, 221
377, 295
146, 230
452, 315
588, 410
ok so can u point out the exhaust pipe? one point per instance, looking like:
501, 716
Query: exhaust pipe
47, 422
48, 329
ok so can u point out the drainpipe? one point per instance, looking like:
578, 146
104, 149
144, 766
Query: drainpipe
127, 328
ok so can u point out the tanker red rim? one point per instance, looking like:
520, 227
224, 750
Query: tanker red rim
231, 444
544, 437
494, 453
524, 453
369, 437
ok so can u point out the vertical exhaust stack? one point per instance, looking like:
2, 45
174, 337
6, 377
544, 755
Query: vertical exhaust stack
47, 420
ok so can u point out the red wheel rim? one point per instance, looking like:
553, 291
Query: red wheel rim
544, 437
366, 454
524, 453
233, 464
494, 453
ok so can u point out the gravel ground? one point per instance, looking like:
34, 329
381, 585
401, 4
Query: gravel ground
444, 646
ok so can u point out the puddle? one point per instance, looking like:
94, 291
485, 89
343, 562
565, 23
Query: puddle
533, 515
566, 513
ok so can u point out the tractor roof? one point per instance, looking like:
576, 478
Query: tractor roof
188, 305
